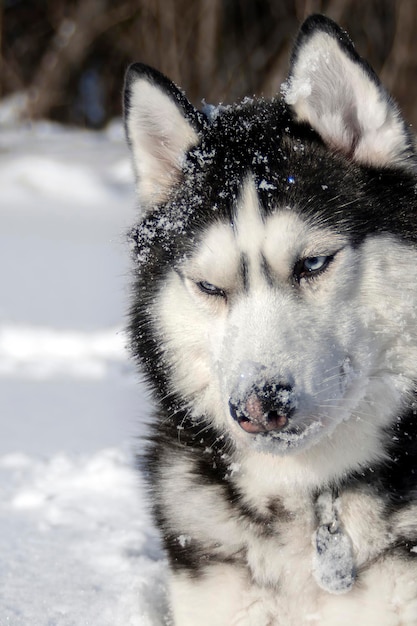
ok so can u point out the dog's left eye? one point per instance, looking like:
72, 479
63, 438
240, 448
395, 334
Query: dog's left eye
210, 289
311, 266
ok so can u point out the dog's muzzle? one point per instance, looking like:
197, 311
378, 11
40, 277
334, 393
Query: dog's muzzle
264, 408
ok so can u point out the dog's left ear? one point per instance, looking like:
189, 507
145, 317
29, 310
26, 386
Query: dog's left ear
161, 125
337, 93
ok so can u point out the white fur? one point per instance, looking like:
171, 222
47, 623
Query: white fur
334, 95
159, 135
281, 591
223, 597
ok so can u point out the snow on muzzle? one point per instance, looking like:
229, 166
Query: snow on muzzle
265, 406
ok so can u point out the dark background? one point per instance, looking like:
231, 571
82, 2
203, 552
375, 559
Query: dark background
69, 56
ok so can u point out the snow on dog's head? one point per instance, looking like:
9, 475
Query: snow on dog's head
273, 239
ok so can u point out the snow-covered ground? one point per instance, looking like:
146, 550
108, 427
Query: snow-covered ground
76, 544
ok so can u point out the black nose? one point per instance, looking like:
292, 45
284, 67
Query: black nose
264, 408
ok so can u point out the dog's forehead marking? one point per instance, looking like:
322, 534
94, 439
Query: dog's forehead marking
269, 242
249, 225
255, 245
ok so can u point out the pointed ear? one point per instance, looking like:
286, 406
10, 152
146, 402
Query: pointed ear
161, 125
337, 93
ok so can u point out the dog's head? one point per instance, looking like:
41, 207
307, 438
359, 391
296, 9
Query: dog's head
273, 240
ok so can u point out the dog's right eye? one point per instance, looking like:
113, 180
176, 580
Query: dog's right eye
312, 266
210, 290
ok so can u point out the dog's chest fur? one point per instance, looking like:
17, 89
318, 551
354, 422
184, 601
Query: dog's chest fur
264, 546
248, 516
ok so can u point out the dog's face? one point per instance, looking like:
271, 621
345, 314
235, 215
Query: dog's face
271, 250
265, 321
273, 328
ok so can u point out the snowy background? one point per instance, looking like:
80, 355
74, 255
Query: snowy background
77, 547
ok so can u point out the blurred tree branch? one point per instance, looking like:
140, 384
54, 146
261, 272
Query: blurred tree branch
68, 48
399, 70
65, 52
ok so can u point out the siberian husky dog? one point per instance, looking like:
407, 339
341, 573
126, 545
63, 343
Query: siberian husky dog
274, 317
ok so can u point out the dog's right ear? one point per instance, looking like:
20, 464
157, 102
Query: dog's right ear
161, 126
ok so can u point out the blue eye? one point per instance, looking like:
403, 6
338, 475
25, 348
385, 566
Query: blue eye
209, 289
311, 266
315, 263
